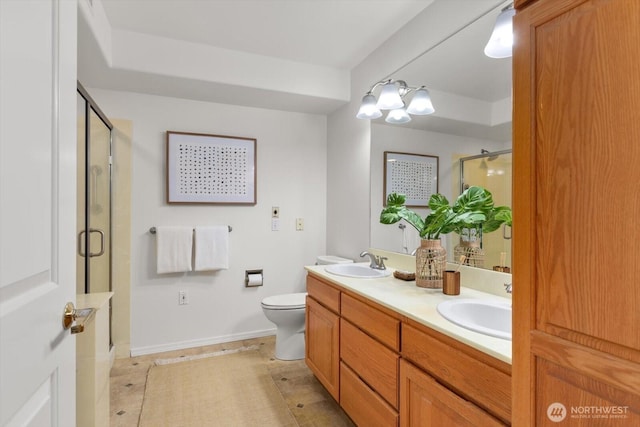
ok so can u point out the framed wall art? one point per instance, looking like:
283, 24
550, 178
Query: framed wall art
414, 175
204, 168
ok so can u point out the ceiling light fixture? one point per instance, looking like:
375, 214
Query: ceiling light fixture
500, 44
392, 98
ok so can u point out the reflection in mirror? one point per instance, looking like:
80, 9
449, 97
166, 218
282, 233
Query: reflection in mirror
471, 94
490, 170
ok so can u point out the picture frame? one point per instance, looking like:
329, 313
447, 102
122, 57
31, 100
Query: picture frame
204, 168
414, 175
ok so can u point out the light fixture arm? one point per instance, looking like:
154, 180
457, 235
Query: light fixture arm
403, 88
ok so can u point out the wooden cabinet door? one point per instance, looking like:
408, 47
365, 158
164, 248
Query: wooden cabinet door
322, 346
576, 154
426, 403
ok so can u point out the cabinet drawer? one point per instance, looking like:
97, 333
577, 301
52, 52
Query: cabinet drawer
372, 361
324, 293
385, 328
488, 387
362, 404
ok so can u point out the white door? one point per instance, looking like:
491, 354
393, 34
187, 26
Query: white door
37, 211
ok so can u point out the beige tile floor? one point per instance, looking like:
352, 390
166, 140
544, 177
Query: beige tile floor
308, 401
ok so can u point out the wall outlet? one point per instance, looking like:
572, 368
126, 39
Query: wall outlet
299, 224
183, 298
275, 224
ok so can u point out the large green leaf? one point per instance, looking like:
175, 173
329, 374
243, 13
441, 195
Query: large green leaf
474, 199
396, 211
498, 216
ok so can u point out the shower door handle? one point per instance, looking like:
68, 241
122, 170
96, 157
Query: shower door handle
80, 240
504, 232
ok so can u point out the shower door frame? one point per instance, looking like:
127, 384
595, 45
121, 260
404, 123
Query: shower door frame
91, 105
478, 156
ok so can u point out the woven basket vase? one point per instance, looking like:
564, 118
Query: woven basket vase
431, 259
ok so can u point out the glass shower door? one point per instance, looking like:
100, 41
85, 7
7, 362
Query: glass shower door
94, 198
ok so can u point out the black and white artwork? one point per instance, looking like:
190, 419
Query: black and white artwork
210, 169
414, 175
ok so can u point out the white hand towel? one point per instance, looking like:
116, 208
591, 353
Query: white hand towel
174, 249
212, 248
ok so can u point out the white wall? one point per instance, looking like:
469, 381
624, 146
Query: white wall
348, 168
448, 148
291, 174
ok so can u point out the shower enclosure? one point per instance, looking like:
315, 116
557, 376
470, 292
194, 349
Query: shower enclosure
493, 171
93, 258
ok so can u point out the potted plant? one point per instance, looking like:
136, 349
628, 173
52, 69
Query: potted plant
474, 208
471, 234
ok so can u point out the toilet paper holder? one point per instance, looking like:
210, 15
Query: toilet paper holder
253, 278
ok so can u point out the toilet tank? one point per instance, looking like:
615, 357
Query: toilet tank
331, 259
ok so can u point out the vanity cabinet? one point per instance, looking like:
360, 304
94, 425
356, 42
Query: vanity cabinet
387, 370
576, 130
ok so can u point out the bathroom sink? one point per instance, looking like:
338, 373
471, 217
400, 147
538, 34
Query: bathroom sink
360, 271
488, 317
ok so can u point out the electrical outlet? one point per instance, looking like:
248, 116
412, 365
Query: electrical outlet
183, 298
299, 224
275, 224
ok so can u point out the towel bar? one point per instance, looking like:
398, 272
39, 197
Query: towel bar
152, 230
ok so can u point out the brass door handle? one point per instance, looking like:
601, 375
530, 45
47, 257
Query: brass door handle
70, 315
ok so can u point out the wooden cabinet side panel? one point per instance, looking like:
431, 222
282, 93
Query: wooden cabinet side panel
372, 361
382, 326
322, 351
425, 403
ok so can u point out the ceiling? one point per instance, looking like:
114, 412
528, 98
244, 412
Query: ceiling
309, 46
333, 33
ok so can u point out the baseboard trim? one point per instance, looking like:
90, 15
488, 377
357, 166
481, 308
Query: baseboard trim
141, 351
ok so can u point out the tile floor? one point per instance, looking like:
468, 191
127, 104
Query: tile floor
307, 399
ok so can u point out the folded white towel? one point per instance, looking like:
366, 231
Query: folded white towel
174, 249
212, 248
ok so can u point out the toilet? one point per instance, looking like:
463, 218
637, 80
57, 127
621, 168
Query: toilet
287, 311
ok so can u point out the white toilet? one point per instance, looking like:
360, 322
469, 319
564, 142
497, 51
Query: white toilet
287, 311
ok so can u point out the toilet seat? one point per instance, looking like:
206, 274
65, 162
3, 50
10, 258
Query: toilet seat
285, 301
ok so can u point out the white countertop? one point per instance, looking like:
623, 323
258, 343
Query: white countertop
420, 304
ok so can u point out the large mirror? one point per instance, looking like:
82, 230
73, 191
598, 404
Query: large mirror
471, 94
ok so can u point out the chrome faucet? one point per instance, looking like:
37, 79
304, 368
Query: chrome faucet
508, 287
377, 262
